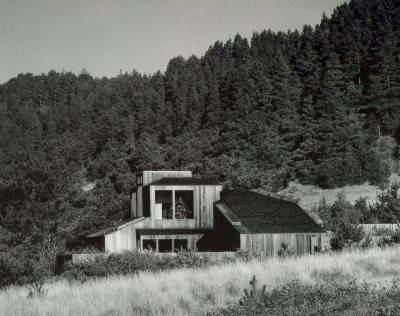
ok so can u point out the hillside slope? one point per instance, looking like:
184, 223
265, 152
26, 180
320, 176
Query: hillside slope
250, 113
309, 196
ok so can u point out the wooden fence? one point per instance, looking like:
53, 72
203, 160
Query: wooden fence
379, 229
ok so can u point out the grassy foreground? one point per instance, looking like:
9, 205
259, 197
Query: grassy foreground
194, 292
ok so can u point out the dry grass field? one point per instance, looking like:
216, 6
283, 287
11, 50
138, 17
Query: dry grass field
193, 292
309, 196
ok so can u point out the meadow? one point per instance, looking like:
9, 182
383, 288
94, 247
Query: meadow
309, 196
197, 291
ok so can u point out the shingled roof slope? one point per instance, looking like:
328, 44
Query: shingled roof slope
183, 181
105, 230
259, 213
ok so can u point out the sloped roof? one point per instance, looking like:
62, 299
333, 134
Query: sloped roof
109, 229
259, 213
183, 181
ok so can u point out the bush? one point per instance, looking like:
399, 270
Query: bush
13, 270
131, 262
285, 251
342, 218
37, 279
254, 292
299, 299
189, 259
245, 256
393, 239
345, 235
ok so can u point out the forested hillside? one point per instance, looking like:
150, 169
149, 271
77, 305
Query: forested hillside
259, 112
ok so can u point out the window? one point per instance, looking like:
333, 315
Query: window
165, 245
150, 244
139, 180
163, 205
180, 244
184, 205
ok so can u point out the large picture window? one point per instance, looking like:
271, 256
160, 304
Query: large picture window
162, 245
150, 244
184, 205
163, 205
180, 244
165, 245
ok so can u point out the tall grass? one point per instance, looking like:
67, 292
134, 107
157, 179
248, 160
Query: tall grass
309, 196
195, 291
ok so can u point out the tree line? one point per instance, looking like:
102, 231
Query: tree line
309, 105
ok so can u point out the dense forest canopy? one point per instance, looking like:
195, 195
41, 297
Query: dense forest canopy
308, 105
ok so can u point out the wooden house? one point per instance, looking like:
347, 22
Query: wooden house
172, 210
258, 223
169, 210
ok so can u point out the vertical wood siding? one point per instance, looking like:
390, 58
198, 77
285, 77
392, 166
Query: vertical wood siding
269, 244
152, 176
133, 205
370, 229
204, 197
139, 206
192, 239
124, 238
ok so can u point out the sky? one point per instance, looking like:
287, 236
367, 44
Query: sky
108, 36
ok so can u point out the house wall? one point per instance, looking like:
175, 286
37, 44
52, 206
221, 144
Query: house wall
203, 198
372, 229
152, 176
139, 201
133, 205
124, 238
269, 244
226, 236
192, 239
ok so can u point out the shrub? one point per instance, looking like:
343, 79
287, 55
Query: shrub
189, 259
345, 235
254, 292
245, 256
392, 240
10, 269
332, 298
386, 209
342, 219
131, 262
285, 251
37, 279
13, 270
367, 243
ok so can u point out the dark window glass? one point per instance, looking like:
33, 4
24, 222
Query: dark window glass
180, 244
165, 245
149, 244
184, 205
163, 204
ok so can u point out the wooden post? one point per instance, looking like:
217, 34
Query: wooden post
173, 206
313, 243
152, 203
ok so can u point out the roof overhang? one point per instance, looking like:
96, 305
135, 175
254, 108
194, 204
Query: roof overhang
172, 231
228, 214
109, 229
